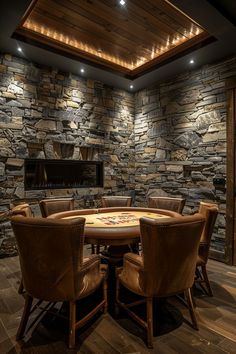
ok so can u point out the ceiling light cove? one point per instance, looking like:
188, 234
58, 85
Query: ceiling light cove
130, 42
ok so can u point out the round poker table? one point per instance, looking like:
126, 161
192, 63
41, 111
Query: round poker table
114, 226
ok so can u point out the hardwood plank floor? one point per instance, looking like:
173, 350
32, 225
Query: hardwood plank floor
107, 335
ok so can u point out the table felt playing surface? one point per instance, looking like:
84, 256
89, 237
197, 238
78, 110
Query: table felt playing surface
114, 219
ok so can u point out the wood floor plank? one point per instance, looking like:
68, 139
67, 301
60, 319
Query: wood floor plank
198, 343
12, 300
228, 345
121, 339
218, 328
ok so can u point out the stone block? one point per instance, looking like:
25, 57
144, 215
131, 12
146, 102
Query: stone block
160, 155
15, 89
183, 126
217, 127
72, 104
46, 125
19, 192
214, 137
15, 162
114, 159
7, 152
2, 169
188, 140
5, 143
93, 141
149, 150
174, 168
197, 176
179, 155
158, 129
8, 95
204, 120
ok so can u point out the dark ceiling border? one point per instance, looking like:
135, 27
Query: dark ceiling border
57, 49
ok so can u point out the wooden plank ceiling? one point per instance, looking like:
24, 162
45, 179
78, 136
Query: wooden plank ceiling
129, 39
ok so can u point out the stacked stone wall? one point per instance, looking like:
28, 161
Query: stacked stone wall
47, 114
168, 139
180, 140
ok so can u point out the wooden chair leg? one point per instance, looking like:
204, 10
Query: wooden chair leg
189, 299
150, 322
205, 277
25, 317
21, 287
72, 324
117, 296
92, 249
105, 295
194, 302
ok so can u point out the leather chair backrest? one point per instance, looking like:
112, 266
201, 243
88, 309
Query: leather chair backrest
168, 203
210, 212
170, 248
22, 209
116, 201
205, 205
56, 205
51, 254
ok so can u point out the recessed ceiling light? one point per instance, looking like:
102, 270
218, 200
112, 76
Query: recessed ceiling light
131, 86
122, 2
19, 49
82, 70
191, 61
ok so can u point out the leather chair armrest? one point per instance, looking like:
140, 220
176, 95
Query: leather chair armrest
131, 275
133, 258
92, 264
88, 261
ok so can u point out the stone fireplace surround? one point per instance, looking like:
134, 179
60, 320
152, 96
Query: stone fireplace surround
168, 139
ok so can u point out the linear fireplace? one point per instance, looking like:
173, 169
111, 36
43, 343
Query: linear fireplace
58, 174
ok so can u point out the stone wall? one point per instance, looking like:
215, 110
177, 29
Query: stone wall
180, 139
45, 113
175, 145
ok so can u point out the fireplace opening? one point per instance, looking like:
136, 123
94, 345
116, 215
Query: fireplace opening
59, 174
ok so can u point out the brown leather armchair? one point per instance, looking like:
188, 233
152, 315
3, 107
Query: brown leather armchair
53, 267
166, 266
116, 201
26, 211
210, 212
56, 205
168, 203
